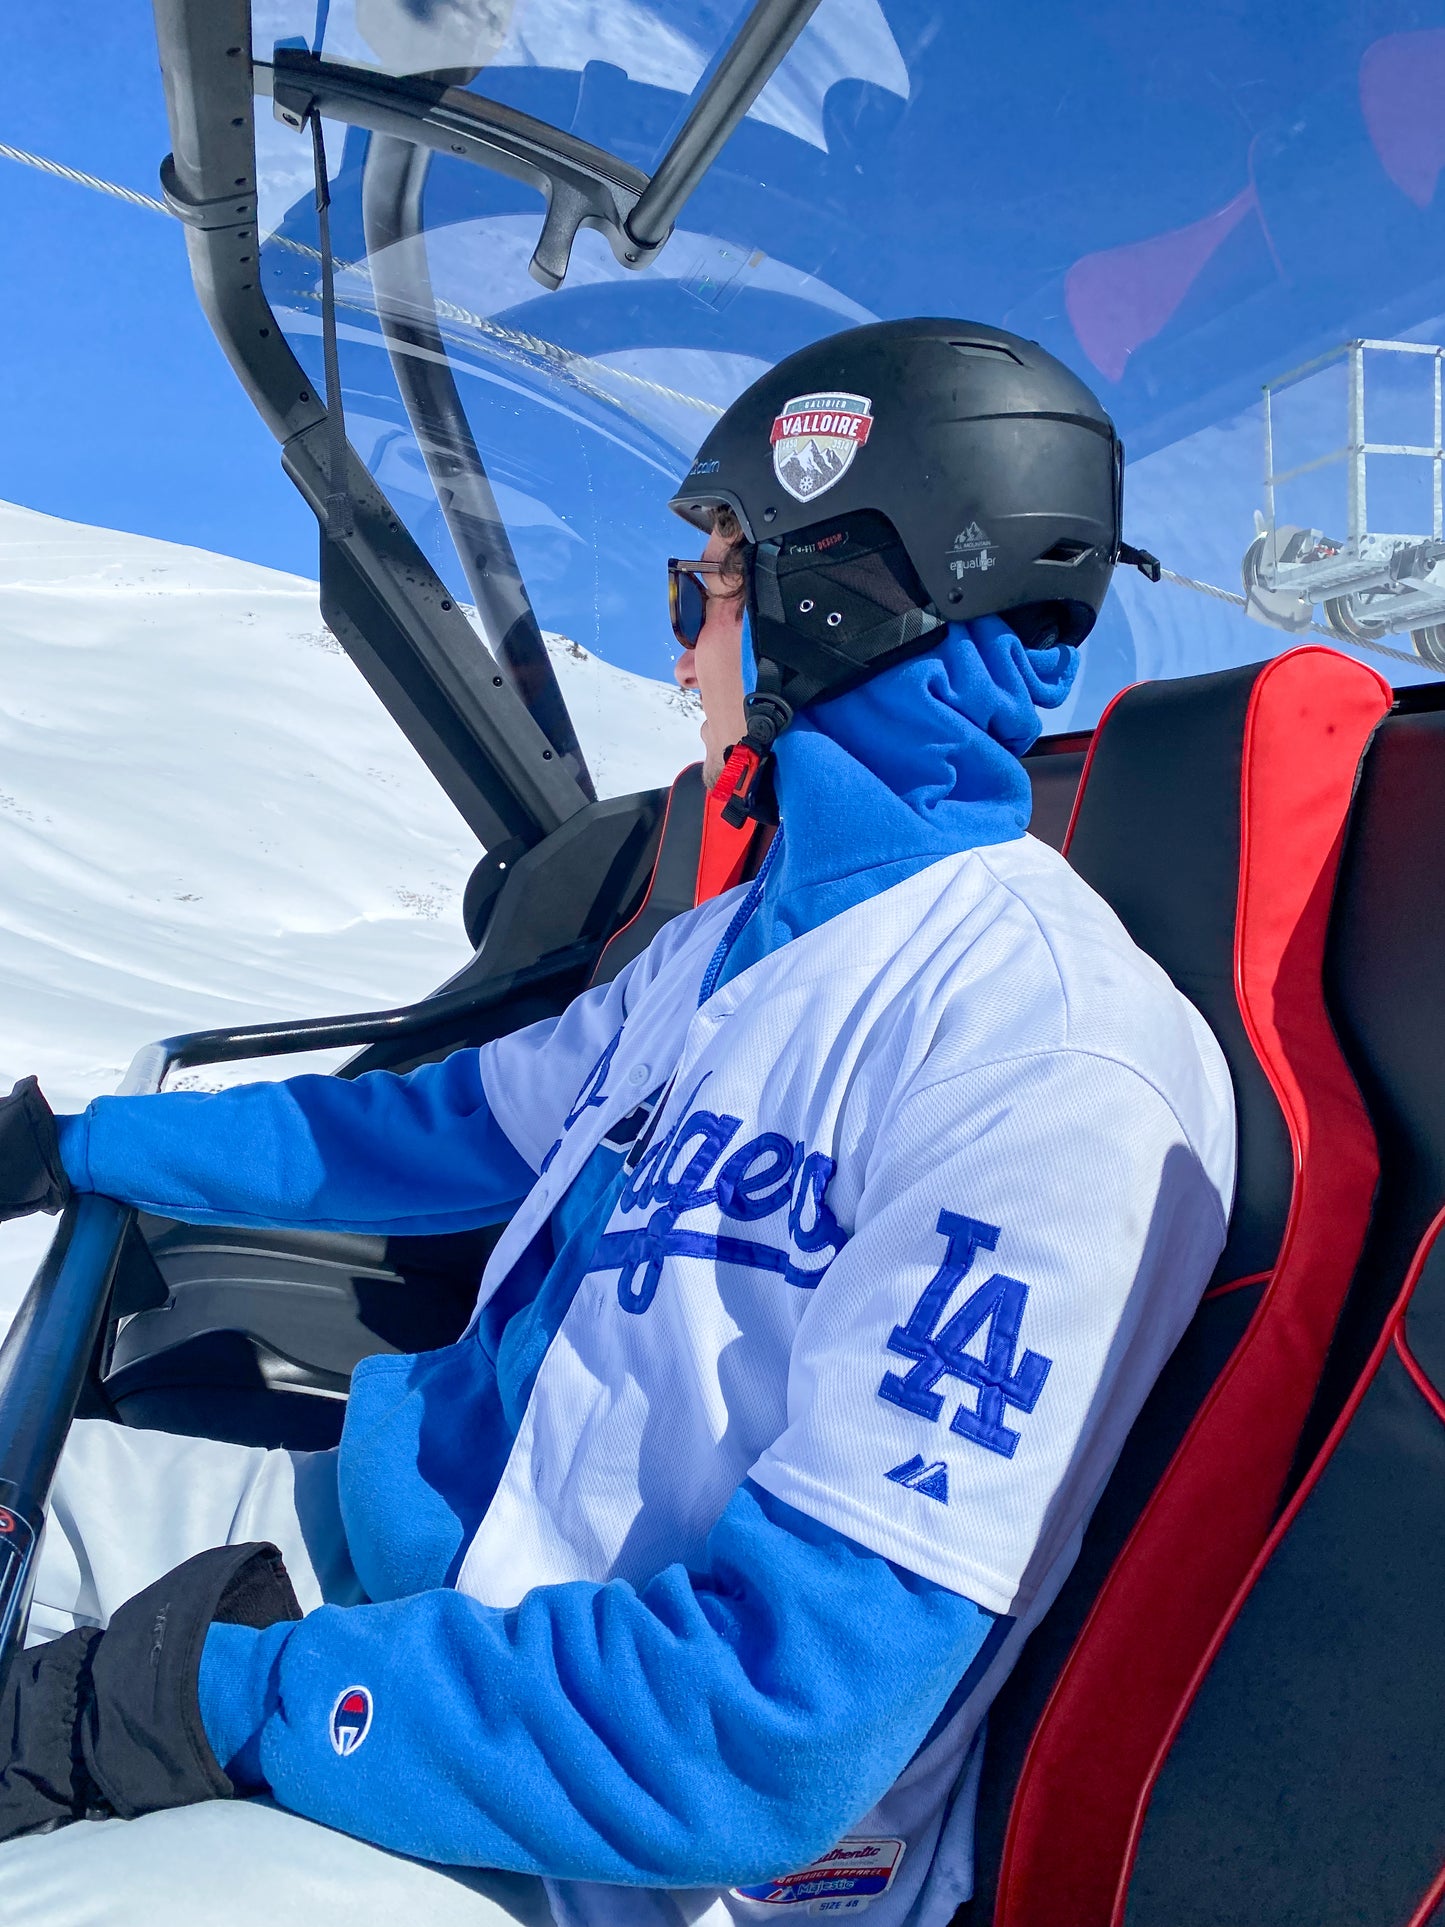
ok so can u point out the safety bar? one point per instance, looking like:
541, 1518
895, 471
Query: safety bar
583, 185
741, 75
42, 1369
55, 1334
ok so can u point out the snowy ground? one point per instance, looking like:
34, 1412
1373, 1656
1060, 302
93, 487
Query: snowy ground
207, 818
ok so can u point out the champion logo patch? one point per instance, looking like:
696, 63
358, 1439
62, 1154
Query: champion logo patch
350, 1720
815, 439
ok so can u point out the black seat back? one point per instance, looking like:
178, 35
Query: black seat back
1211, 819
1306, 1784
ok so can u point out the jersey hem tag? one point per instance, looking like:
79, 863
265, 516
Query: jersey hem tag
844, 1880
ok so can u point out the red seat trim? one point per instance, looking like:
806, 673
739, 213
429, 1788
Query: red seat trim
1311, 714
1417, 1374
1425, 1913
1238, 1284
1094, 741
622, 929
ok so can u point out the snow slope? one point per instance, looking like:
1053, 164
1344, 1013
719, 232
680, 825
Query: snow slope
207, 818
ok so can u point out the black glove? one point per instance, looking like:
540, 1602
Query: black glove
32, 1178
107, 1725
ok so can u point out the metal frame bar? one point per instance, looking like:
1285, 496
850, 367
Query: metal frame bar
1357, 449
1437, 527
415, 647
583, 185
1355, 533
43, 1365
393, 186
1269, 458
744, 70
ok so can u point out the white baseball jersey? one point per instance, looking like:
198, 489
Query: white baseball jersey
928, 1199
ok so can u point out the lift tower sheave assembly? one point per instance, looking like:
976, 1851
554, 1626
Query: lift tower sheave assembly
1370, 583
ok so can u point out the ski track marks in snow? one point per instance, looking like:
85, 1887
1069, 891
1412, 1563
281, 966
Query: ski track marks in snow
207, 818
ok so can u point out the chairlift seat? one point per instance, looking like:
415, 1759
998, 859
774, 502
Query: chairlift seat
1306, 1783
1211, 816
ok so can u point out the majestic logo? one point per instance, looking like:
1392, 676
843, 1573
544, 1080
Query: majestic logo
815, 439
938, 1348
972, 553
350, 1720
930, 1480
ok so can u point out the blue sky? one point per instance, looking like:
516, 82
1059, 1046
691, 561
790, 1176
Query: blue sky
118, 406
1179, 229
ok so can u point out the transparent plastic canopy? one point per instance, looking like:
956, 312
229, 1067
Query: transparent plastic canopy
1185, 205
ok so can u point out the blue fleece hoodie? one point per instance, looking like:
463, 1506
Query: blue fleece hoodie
915, 765
713, 1726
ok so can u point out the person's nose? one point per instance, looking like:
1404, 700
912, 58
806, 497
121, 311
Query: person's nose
685, 669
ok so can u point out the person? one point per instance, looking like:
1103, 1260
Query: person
847, 1230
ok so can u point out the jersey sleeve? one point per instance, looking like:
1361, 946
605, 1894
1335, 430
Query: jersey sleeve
1030, 1240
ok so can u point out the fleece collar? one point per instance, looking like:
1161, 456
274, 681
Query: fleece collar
917, 764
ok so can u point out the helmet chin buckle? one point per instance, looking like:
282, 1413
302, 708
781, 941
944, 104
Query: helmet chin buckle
749, 766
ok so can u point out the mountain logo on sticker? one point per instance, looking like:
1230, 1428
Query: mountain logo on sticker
815, 439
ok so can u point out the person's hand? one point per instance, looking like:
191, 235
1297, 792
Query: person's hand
102, 1725
32, 1178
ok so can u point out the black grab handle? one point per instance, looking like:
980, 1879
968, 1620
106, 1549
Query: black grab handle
42, 1369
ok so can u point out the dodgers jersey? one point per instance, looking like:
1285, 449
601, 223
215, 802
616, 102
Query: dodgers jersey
915, 1209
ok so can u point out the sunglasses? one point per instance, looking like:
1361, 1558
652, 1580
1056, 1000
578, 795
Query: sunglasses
687, 597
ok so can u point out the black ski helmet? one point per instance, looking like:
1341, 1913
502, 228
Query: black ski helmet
900, 476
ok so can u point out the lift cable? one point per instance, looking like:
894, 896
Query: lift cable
563, 360
63, 173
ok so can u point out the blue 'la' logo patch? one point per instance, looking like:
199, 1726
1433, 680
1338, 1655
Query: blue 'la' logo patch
1001, 1378
350, 1720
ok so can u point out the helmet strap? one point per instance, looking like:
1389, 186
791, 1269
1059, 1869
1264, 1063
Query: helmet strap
750, 762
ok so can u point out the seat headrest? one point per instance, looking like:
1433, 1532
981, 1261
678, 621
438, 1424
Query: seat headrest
1210, 817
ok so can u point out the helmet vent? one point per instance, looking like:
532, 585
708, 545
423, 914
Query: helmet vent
993, 349
1068, 553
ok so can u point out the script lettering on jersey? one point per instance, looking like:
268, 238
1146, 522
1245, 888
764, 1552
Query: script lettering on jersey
693, 1168
937, 1346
